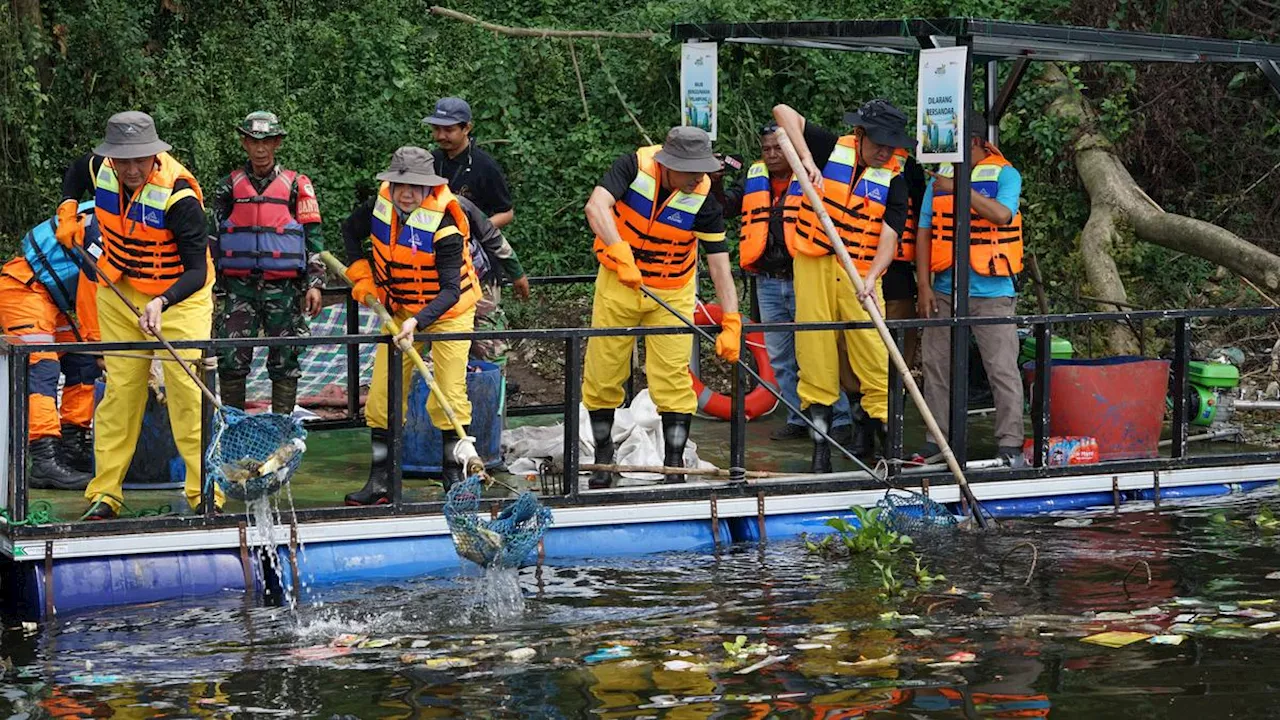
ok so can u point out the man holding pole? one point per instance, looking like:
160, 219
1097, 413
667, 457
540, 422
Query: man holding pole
649, 213
862, 187
408, 247
151, 214
995, 258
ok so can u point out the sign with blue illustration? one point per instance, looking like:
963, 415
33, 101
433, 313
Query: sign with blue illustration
699, 92
940, 107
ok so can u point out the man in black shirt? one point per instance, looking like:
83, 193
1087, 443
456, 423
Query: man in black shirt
864, 192
767, 200
650, 213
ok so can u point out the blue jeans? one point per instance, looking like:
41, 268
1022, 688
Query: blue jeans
777, 300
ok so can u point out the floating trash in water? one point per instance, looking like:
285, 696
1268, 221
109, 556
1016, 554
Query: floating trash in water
1115, 638
962, 657
1074, 522
1166, 639
762, 664
812, 646
683, 666
613, 652
523, 654
1273, 576
880, 663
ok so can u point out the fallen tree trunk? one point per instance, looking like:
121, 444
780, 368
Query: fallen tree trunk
1116, 201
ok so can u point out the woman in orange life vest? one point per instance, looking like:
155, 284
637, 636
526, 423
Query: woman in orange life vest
995, 257
409, 248
865, 193
150, 211
649, 214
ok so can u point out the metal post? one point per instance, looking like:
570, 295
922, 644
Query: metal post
897, 411
395, 420
738, 419
992, 79
21, 369
1040, 393
1181, 356
208, 501
572, 399
353, 359
960, 333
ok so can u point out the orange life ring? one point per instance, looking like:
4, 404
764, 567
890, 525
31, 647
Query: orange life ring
759, 401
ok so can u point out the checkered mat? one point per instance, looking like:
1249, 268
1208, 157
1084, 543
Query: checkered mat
321, 365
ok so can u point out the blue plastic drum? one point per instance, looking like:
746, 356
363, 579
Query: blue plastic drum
423, 442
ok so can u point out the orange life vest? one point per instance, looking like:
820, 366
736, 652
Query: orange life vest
994, 250
136, 243
404, 258
906, 250
661, 237
758, 209
856, 206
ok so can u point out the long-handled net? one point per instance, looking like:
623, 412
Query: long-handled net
504, 541
910, 513
253, 456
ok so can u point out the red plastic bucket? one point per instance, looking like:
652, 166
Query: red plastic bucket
1120, 401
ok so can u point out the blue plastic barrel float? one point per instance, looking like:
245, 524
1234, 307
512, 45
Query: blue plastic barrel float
156, 464
1120, 401
423, 442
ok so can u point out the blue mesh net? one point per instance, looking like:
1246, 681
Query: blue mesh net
504, 541
253, 456
910, 513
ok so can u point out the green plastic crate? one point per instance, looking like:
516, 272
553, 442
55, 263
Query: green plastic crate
1060, 348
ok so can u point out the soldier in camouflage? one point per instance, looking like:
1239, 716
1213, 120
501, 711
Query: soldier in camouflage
267, 255
489, 246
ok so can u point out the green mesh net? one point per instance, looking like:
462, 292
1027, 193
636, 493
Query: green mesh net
253, 456
910, 513
503, 542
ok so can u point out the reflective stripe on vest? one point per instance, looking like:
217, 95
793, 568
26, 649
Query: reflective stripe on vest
404, 258
262, 234
906, 250
856, 209
136, 243
758, 209
55, 267
661, 238
994, 250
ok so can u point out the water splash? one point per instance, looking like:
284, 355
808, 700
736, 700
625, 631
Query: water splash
496, 596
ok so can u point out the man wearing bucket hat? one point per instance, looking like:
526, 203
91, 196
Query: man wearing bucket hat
150, 211
409, 248
995, 259
269, 274
862, 187
649, 213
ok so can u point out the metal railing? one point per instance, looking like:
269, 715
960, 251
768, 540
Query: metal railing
572, 341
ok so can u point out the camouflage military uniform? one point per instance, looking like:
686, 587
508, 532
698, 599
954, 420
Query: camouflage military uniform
489, 245
249, 304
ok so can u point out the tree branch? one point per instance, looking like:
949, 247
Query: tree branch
538, 32
582, 90
621, 98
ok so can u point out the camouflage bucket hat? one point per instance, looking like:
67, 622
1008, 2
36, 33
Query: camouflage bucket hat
260, 125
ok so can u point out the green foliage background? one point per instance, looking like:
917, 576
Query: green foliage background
352, 80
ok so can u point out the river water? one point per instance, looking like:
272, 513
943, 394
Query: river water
644, 637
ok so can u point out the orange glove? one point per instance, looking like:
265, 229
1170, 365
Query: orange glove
729, 341
361, 277
628, 273
69, 231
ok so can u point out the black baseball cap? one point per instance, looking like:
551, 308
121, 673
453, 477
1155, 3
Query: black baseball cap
449, 111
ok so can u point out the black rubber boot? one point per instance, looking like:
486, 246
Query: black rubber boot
877, 439
452, 471
377, 490
232, 391
48, 472
675, 435
77, 448
820, 416
284, 395
862, 442
602, 434
100, 511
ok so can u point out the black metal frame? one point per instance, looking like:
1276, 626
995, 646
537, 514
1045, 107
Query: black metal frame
569, 494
